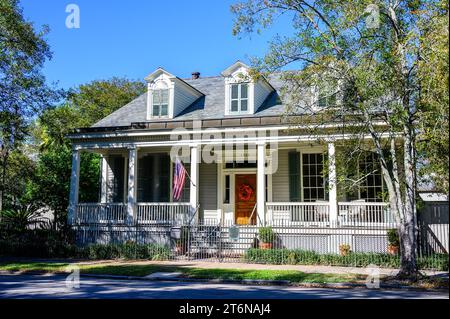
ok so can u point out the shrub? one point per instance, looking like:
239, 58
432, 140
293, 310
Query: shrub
303, 257
393, 238
128, 250
266, 234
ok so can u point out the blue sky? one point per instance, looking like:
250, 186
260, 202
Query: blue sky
132, 38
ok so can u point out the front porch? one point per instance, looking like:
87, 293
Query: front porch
136, 188
300, 214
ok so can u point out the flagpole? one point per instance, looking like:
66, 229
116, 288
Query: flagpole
190, 180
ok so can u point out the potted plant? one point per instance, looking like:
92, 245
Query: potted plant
393, 242
181, 242
344, 249
266, 237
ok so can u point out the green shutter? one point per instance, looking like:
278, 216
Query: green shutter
294, 176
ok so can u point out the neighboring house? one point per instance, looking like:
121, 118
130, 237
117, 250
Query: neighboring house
276, 179
433, 218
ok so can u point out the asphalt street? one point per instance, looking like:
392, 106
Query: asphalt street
54, 286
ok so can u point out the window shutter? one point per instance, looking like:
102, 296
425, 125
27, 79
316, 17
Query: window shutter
294, 176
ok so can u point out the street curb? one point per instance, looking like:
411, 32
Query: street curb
238, 281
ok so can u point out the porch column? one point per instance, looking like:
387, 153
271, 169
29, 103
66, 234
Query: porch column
132, 183
104, 179
261, 185
74, 185
332, 188
193, 196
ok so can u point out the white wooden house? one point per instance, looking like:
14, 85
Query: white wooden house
238, 117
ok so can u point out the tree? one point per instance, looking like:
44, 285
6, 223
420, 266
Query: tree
368, 54
433, 68
98, 99
83, 107
23, 91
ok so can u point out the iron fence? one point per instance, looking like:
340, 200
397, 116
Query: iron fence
280, 243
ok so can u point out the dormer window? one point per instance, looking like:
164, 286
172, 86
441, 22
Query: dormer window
168, 96
243, 93
239, 98
327, 96
160, 100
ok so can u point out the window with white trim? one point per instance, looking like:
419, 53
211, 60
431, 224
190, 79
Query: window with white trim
314, 186
239, 98
371, 188
160, 103
327, 95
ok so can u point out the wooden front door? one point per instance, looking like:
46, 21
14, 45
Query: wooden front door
245, 199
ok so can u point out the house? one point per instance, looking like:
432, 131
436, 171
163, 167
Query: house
246, 166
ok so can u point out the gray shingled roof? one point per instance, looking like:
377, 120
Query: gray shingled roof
211, 106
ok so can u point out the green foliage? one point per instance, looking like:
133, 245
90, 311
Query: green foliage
303, 257
84, 106
43, 243
20, 218
18, 174
98, 99
393, 238
433, 115
23, 90
392, 80
127, 250
266, 234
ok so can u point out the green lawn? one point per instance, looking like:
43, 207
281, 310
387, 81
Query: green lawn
143, 269
131, 269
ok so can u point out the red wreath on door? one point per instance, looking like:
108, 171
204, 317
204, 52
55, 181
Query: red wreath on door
245, 192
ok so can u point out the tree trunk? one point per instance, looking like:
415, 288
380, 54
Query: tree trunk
408, 238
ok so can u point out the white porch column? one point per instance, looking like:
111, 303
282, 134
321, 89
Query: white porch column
132, 183
332, 184
104, 179
74, 185
261, 185
195, 159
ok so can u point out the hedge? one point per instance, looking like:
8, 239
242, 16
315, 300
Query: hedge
56, 249
302, 257
126, 251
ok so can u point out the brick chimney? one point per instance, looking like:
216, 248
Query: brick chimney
195, 75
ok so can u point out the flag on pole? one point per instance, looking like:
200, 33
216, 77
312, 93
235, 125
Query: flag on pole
179, 177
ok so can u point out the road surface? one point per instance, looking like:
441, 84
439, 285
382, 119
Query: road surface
54, 286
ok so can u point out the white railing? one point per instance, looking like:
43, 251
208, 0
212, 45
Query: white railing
115, 213
163, 212
307, 213
364, 214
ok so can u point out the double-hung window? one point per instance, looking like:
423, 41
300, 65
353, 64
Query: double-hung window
160, 107
371, 187
328, 95
314, 186
239, 98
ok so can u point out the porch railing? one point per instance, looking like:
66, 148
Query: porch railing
145, 213
364, 214
113, 213
299, 213
163, 212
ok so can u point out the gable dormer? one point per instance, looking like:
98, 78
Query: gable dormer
243, 94
168, 95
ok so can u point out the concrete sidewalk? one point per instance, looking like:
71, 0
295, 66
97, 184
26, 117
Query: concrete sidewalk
239, 265
234, 265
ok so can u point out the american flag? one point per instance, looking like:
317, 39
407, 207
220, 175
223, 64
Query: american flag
179, 176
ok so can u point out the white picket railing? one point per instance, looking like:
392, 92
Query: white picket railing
364, 214
163, 212
114, 213
307, 213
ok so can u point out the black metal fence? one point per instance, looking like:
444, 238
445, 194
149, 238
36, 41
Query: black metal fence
282, 242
